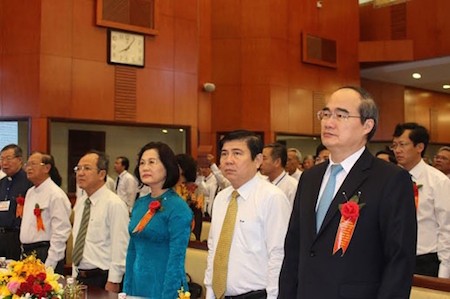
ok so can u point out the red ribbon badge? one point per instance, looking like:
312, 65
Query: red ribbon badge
349, 217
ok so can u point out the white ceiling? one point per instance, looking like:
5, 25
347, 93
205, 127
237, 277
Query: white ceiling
435, 73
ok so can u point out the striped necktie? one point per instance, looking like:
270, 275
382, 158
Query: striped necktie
220, 267
77, 253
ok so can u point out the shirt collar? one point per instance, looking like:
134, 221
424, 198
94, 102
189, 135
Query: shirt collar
348, 163
417, 170
248, 188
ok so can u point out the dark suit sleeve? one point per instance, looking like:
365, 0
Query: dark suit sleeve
399, 235
289, 271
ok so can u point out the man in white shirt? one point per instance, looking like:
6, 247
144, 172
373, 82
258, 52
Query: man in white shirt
274, 162
126, 184
293, 163
433, 205
48, 240
442, 160
102, 262
256, 250
208, 184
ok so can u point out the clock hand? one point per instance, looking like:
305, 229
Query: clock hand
127, 47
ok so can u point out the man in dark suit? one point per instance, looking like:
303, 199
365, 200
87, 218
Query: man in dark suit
366, 244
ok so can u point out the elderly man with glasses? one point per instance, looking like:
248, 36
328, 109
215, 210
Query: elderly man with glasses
13, 188
442, 160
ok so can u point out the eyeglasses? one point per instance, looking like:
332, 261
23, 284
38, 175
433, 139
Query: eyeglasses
338, 115
33, 164
439, 157
79, 168
7, 159
400, 145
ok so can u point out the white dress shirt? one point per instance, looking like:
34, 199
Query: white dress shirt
107, 235
288, 185
257, 248
297, 174
208, 187
55, 213
433, 214
222, 181
127, 188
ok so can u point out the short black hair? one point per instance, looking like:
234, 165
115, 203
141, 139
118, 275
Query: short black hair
254, 142
168, 159
102, 162
124, 161
278, 151
320, 148
389, 153
188, 167
17, 149
418, 134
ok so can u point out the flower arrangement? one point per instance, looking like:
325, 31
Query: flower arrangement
182, 294
349, 217
153, 207
29, 279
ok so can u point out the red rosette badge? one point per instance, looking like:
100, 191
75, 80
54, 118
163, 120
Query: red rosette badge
20, 200
153, 207
39, 222
349, 217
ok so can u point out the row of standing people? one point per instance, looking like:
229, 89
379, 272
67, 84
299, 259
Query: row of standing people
270, 255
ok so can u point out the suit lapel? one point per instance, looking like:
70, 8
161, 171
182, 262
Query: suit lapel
356, 177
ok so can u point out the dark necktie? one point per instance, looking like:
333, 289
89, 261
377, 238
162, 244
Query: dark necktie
327, 195
117, 183
81, 237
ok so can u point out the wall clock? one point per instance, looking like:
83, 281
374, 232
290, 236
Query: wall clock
126, 48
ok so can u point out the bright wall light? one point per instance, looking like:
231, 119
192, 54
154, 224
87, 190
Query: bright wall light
446, 86
416, 75
165, 131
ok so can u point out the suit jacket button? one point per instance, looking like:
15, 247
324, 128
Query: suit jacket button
312, 254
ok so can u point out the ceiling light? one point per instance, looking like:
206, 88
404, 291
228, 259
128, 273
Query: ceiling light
181, 130
446, 86
165, 131
416, 75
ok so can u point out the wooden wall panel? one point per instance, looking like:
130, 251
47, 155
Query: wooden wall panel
186, 101
57, 28
226, 57
55, 85
186, 46
255, 68
279, 108
226, 108
255, 18
255, 107
155, 96
427, 24
300, 111
39, 134
226, 18
389, 99
92, 90
89, 41
430, 109
159, 51
20, 82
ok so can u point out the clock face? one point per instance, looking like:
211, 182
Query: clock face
126, 48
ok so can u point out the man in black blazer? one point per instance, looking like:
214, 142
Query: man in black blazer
370, 255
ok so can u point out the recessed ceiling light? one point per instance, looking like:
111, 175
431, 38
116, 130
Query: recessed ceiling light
446, 86
416, 75
165, 131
